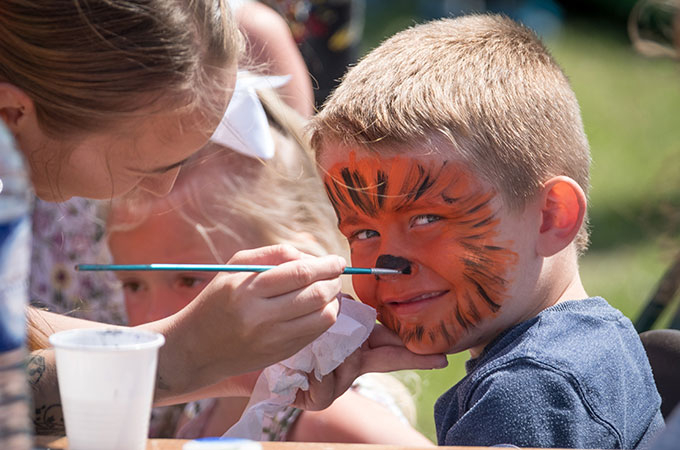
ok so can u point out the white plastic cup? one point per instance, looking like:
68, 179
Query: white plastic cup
106, 380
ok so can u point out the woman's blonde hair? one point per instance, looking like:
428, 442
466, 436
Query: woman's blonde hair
281, 200
482, 84
89, 63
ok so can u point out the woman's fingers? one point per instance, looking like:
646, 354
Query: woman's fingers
307, 300
322, 393
305, 328
381, 335
269, 255
389, 358
294, 275
277, 339
295, 270
384, 351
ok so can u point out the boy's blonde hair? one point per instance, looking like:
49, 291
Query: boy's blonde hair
482, 83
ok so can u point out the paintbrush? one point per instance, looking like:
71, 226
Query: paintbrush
220, 268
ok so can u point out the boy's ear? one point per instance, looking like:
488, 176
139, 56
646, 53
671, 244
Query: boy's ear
15, 108
563, 208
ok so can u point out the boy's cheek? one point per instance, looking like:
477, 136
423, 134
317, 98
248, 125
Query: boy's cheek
365, 286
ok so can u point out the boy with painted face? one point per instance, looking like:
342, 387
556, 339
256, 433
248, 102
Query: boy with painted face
455, 152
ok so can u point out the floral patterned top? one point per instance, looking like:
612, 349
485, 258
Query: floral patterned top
65, 234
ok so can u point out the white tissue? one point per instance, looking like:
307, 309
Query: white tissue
278, 384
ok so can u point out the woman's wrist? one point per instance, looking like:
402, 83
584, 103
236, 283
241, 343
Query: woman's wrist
188, 368
175, 364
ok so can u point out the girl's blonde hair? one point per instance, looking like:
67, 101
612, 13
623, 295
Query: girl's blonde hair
89, 63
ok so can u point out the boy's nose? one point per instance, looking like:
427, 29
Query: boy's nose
393, 262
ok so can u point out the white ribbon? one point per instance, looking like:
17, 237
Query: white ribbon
244, 127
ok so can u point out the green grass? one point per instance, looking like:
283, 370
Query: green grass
630, 106
631, 111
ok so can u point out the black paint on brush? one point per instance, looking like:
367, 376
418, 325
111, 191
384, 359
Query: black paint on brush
394, 262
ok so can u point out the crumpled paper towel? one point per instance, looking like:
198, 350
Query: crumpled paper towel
277, 385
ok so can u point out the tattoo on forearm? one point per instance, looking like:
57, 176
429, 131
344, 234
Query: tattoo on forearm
35, 368
47, 416
48, 419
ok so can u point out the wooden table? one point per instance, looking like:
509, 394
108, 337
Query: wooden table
59, 443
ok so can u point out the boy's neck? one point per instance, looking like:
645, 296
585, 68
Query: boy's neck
560, 281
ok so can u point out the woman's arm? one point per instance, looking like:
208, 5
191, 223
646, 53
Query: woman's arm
41, 367
42, 324
42, 376
240, 323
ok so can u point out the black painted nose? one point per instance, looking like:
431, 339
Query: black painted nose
394, 262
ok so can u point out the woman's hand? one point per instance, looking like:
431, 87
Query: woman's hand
242, 322
383, 351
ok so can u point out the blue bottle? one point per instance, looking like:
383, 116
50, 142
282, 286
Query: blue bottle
15, 252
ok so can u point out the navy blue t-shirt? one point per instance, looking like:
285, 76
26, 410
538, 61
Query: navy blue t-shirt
575, 376
669, 438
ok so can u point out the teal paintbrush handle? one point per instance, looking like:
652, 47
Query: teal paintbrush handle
218, 268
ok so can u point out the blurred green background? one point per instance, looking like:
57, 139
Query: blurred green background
631, 110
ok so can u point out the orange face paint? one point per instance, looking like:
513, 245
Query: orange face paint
431, 219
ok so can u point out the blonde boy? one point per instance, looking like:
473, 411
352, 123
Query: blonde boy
455, 152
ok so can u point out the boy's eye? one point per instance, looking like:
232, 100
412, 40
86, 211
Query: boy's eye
362, 235
132, 286
424, 219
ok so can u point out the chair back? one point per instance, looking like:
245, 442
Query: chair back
663, 350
